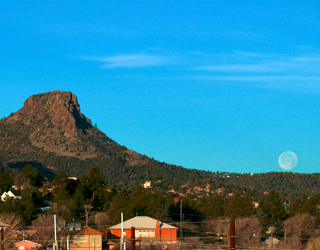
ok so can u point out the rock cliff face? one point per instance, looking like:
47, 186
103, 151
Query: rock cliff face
50, 133
61, 107
50, 129
56, 125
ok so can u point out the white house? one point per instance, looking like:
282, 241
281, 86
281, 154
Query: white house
147, 184
16, 194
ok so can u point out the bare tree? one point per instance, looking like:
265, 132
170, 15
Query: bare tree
248, 231
11, 222
101, 219
299, 229
44, 225
313, 244
22, 182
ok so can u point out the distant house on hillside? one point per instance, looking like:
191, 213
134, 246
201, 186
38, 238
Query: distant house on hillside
145, 228
16, 194
147, 184
255, 204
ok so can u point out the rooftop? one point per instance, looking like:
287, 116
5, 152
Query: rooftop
142, 222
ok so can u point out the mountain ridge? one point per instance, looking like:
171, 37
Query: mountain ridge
51, 133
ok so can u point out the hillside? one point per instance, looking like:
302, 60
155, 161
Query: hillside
52, 134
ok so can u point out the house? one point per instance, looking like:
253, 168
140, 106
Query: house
255, 204
85, 238
147, 184
16, 194
26, 245
271, 241
145, 228
111, 244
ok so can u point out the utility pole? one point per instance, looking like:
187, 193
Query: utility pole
133, 238
2, 239
300, 239
285, 237
55, 232
121, 240
232, 235
180, 219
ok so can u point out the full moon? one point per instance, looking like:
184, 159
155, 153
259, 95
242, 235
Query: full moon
288, 160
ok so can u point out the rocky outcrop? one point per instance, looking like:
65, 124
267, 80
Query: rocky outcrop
61, 107
55, 125
51, 128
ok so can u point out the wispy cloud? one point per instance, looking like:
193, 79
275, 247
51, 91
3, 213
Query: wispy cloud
259, 78
263, 65
293, 73
239, 68
131, 61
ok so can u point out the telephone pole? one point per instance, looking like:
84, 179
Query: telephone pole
2, 239
180, 220
232, 234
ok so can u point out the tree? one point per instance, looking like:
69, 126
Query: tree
60, 178
271, 210
33, 174
305, 205
9, 205
21, 181
300, 226
101, 219
238, 205
45, 224
248, 228
95, 181
313, 244
119, 204
62, 201
212, 207
26, 208
6, 181
77, 204
13, 221
139, 202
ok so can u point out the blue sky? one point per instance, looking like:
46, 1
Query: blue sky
212, 85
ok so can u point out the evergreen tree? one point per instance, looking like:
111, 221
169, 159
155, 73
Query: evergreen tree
139, 202
33, 174
95, 181
60, 178
9, 205
26, 209
212, 207
238, 205
6, 181
119, 204
77, 204
272, 210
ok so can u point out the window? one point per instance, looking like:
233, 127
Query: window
21, 248
95, 238
80, 239
145, 233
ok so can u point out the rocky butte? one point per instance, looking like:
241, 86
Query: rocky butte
61, 107
51, 125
